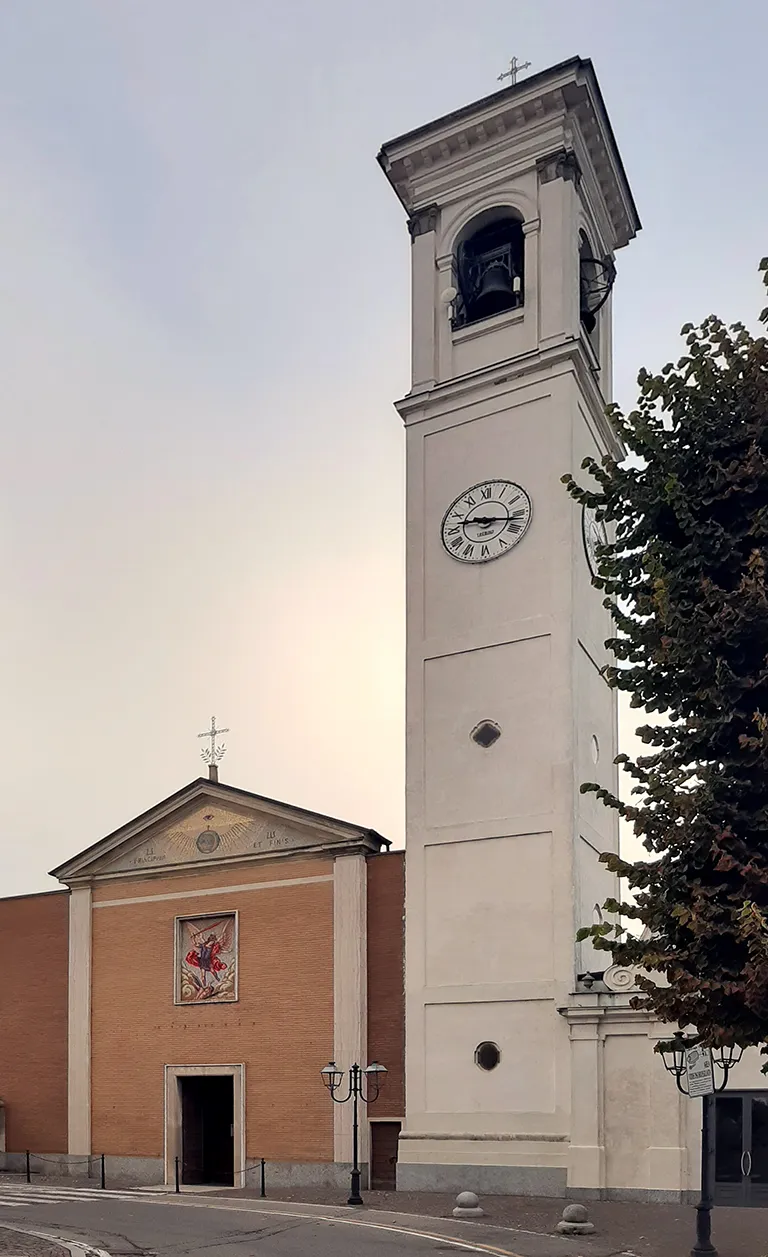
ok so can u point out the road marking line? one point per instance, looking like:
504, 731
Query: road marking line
52, 1194
46, 1189
466, 1245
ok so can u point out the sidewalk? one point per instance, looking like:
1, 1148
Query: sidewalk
15, 1244
643, 1230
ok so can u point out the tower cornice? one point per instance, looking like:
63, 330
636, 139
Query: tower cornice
569, 92
519, 372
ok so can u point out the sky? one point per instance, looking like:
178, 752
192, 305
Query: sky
204, 320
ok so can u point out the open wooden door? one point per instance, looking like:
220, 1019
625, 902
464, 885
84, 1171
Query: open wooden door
384, 1137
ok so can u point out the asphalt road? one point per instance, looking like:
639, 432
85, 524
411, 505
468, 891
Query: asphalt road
127, 1225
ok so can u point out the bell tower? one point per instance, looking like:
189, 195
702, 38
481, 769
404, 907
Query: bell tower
516, 205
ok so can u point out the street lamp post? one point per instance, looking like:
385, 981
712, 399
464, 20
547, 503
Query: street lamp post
674, 1055
364, 1084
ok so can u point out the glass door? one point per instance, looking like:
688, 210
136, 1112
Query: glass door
758, 1150
741, 1149
729, 1150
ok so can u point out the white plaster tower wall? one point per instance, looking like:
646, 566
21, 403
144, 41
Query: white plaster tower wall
501, 863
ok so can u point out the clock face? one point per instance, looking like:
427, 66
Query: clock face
594, 533
486, 521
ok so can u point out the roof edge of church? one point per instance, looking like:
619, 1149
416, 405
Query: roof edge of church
34, 894
213, 786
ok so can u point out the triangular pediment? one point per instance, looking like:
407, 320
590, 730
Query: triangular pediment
210, 823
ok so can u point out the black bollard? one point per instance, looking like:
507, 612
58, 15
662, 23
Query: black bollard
177, 1174
103, 1173
263, 1178
29, 1175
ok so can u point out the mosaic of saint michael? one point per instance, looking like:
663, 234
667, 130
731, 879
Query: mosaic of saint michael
206, 959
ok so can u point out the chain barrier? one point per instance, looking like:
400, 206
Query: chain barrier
63, 1162
56, 1160
259, 1165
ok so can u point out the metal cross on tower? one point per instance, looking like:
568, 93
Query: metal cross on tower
216, 753
515, 67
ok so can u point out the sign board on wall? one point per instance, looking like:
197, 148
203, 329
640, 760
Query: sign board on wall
701, 1077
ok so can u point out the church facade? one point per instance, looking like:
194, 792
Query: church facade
207, 959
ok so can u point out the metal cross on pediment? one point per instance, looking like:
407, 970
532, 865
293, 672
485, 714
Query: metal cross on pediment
515, 68
216, 753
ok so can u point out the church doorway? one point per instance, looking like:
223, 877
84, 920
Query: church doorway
205, 1125
207, 1130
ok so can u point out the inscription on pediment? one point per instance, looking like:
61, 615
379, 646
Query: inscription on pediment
208, 833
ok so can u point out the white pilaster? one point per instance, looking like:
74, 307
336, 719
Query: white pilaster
586, 1160
423, 345
79, 1044
558, 298
350, 991
443, 317
668, 1153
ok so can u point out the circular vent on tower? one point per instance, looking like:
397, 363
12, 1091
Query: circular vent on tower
487, 1056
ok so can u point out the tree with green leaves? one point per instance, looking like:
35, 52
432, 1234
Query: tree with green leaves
684, 573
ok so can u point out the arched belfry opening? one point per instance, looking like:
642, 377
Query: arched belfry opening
596, 277
489, 266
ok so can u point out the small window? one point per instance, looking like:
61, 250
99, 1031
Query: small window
489, 267
487, 1056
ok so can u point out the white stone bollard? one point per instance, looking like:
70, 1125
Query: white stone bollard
468, 1206
574, 1221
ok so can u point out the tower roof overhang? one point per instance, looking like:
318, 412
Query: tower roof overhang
569, 89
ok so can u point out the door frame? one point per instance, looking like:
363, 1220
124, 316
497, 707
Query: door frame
172, 1115
744, 1095
377, 1121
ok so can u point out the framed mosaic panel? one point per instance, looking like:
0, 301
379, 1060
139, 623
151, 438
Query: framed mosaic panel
205, 959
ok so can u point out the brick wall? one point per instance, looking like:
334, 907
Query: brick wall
33, 1021
386, 999
281, 1027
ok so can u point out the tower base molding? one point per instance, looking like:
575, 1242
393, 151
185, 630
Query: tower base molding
488, 1180
498, 1164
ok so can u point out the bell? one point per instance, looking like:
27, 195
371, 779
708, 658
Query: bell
589, 320
495, 292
